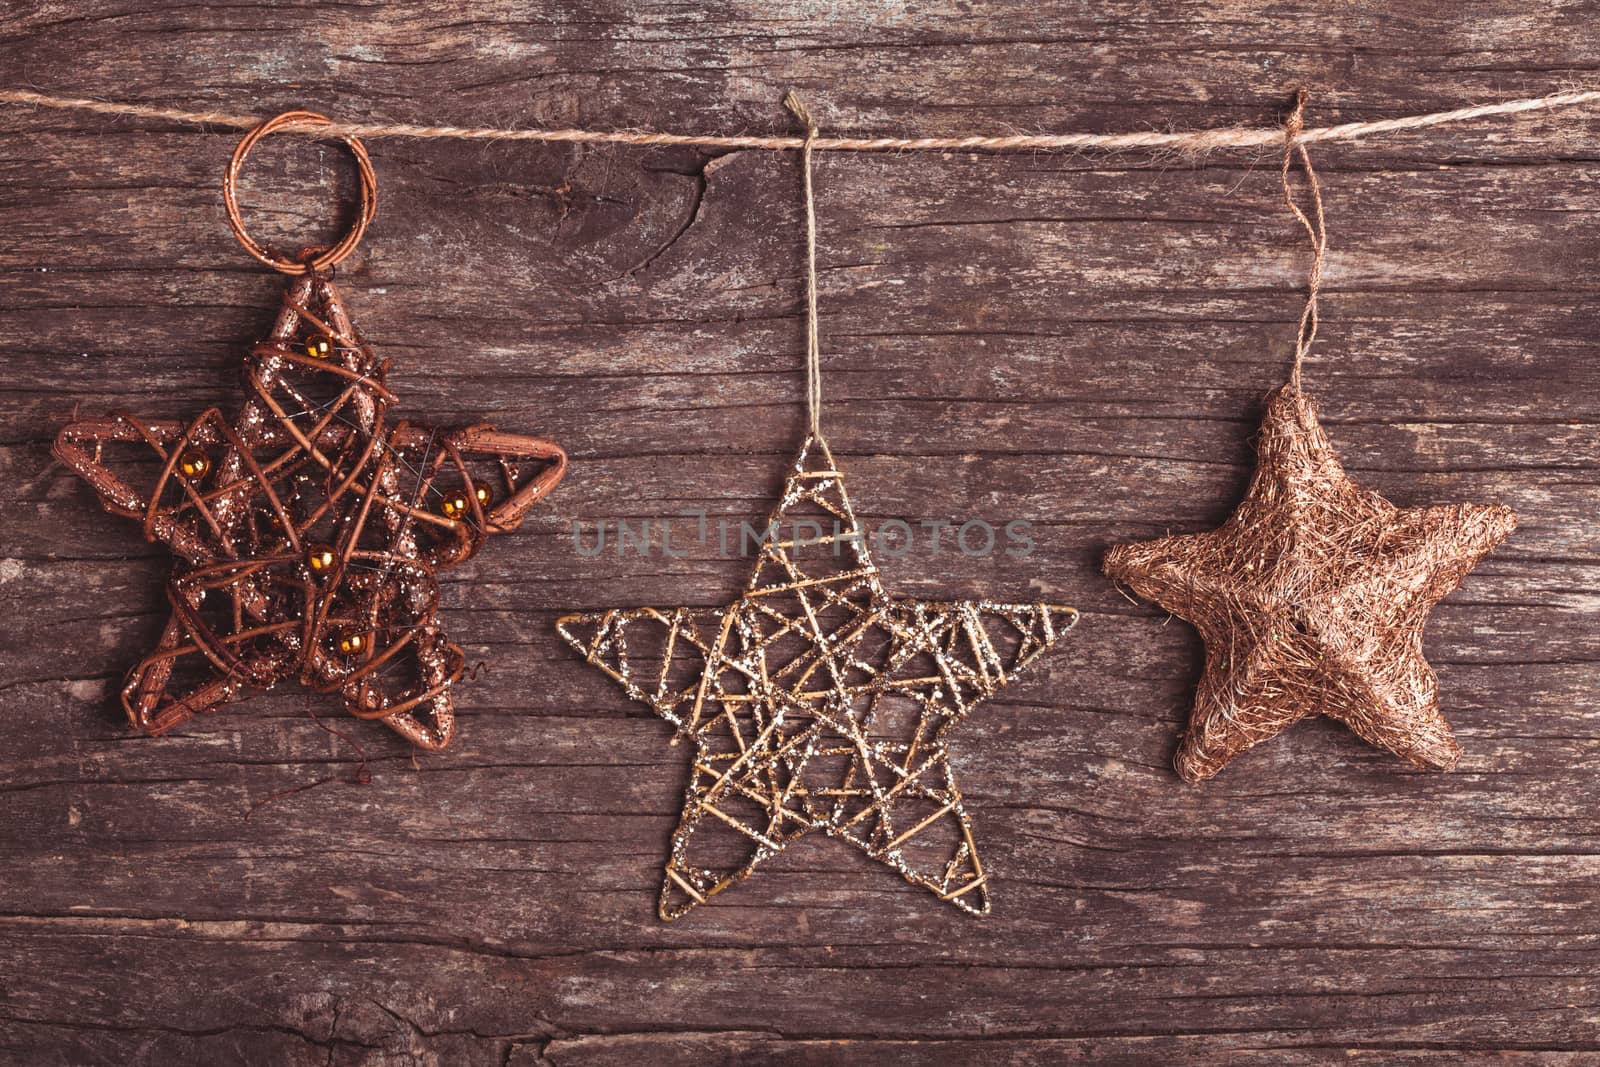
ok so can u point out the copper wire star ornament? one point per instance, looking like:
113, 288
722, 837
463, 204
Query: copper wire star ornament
816, 702
308, 529
1311, 600
1312, 597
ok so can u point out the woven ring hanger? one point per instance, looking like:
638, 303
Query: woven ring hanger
313, 259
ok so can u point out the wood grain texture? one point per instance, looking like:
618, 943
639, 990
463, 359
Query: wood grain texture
1081, 342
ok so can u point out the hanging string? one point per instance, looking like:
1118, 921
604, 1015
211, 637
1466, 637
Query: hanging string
813, 348
1190, 141
1293, 145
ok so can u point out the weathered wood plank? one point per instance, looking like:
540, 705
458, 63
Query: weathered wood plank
1080, 342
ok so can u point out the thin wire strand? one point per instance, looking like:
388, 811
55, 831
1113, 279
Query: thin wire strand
1294, 144
1192, 141
813, 345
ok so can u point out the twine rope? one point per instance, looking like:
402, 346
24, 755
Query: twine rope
1293, 145
813, 349
1192, 141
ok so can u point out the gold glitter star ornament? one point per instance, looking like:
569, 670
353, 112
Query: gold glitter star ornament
1311, 600
817, 702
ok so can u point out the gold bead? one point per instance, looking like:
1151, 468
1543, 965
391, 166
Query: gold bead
353, 644
194, 463
454, 506
320, 346
320, 559
483, 495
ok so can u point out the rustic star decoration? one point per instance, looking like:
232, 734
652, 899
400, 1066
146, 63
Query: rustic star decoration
1311, 600
308, 530
817, 702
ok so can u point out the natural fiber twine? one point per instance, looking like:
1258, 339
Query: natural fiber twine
1195, 141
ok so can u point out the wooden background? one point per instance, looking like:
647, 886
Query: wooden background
1081, 342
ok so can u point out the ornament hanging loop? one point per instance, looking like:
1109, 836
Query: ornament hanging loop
1293, 146
798, 108
313, 259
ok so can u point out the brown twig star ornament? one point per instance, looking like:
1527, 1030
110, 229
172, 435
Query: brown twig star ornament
815, 701
308, 529
1311, 599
